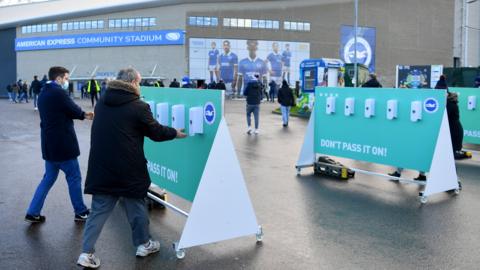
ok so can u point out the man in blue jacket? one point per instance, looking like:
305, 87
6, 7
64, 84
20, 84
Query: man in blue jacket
59, 144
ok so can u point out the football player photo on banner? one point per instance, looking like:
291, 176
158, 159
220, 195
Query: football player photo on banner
366, 39
237, 61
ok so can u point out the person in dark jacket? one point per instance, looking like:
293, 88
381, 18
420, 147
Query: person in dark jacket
117, 167
59, 144
35, 88
253, 92
221, 85
372, 82
273, 90
10, 95
286, 100
23, 91
174, 83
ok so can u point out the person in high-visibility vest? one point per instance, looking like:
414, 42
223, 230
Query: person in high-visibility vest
93, 85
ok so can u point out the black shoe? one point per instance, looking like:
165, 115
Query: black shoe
284, 125
420, 177
82, 217
395, 174
35, 219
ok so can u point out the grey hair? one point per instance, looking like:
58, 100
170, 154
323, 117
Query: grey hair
127, 75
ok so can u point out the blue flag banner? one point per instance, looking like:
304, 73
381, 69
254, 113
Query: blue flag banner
146, 38
366, 38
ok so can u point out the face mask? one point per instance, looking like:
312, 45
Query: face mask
65, 85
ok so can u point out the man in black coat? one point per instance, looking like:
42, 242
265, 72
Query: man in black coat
59, 144
372, 82
117, 167
35, 88
286, 100
174, 84
253, 92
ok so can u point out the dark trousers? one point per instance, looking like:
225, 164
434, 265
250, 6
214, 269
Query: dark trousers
93, 95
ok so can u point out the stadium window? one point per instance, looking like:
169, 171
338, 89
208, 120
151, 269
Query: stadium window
138, 22
306, 26
144, 22
64, 26
49, 27
206, 21
55, 27
24, 29
233, 22
248, 23
268, 24
241, 23
44, 28
153, 21
261, 24
124, 23
70, 26
286, 25
199, 21
118, 23
29, 29
75, 25
276, 25
111, 23
293, 26
226, 22
192, 21
88, 25
34, 28
131, 22
214, 21
254, 23
81, 25
300, 26
94, 24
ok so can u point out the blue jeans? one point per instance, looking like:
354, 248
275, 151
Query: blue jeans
102, 206
285, 112
35, 99
255, 109
74, 181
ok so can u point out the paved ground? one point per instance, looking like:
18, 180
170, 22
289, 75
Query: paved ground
309, 222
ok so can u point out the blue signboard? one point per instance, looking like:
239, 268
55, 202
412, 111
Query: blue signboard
366, 38
147, 38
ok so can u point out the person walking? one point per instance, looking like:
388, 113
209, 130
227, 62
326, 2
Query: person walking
23, 92
286, 100
253, 92
10, 92
35, 88
273, 90
117, 168
15, 92
59, 145
93, 89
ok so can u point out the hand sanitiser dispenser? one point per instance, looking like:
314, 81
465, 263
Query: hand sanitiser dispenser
472, 103
195, 121
162, 113
416, 111
152, 106
369, 107
392, 109
178, 116
330, 108
349, 106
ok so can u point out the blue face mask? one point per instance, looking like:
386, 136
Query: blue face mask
65, 85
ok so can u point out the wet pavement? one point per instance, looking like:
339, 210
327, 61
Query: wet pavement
310, 222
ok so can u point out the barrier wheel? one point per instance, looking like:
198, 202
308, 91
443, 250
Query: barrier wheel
259, 234
456, 191
180, 253
298, 171
423, 199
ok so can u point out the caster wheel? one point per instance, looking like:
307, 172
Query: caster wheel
456, 191
423, 199
259, 234
180, 254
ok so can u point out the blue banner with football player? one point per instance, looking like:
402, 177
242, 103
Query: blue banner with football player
366, 39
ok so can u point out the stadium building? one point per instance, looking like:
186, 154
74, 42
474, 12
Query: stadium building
167, 39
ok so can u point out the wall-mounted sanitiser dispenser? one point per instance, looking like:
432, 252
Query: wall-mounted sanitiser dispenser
162, 114
416, 111
369, 107
349, 106
195, 116
178, 116
472, 103
392, 109
330, 108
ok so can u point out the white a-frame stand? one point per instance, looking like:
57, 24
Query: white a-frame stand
221, 209
441, 177
443, 173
